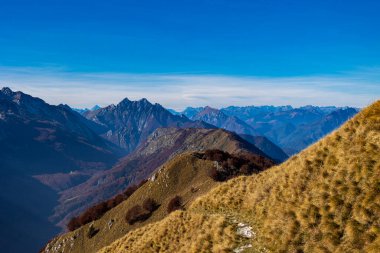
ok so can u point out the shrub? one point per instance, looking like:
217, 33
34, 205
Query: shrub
217, 175
73, 224
150, 205
93, 213
130, 190
92, 231
136, 214
230, 166
174, 204
97, 211
246, 169
215, 155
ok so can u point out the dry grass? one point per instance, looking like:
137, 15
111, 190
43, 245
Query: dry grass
326, 199
180, 232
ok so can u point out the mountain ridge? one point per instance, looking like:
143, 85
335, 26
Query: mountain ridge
161, 145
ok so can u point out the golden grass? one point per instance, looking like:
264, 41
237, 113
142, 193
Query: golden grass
325, 199
180, 232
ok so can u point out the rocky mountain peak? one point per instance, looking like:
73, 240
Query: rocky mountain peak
6, 91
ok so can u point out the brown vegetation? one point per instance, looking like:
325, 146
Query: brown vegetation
229, 166
150, 205
136, 214
92, 231
174, 204
96, 212
139, 214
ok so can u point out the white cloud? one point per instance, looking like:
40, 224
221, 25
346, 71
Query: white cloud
178, 91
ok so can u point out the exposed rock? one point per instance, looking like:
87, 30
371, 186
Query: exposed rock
245, 231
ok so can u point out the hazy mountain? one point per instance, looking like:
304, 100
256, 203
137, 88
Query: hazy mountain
191, 111
129, 123
219, 119
268, 147
249, 112
172, 111
292, 129
81, 111
306, 134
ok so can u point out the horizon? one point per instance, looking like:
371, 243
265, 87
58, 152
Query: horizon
193, 53
183, 109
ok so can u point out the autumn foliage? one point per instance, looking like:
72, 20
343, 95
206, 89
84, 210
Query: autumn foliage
174, 204
97, 211
139, 214
228, 166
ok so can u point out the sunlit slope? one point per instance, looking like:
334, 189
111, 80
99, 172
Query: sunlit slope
326, 199
185, 176
180, 232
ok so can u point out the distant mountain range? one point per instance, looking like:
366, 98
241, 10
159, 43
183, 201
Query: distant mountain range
129, 123
292, 129
56, 161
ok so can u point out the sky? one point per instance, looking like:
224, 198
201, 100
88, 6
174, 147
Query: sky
192, 52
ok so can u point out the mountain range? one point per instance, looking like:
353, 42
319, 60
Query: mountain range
129, 123
292, 129
57, 161
324, 199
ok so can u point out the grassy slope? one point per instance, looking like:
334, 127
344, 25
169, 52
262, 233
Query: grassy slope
325, 199
175, 177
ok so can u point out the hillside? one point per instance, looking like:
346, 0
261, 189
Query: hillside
187, 176
325, 199
161, 146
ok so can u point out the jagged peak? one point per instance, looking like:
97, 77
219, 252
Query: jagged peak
144, 100
125, 101
6, 91
95, 107
209, 109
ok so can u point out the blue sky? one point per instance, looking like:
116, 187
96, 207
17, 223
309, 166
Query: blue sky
253, 47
